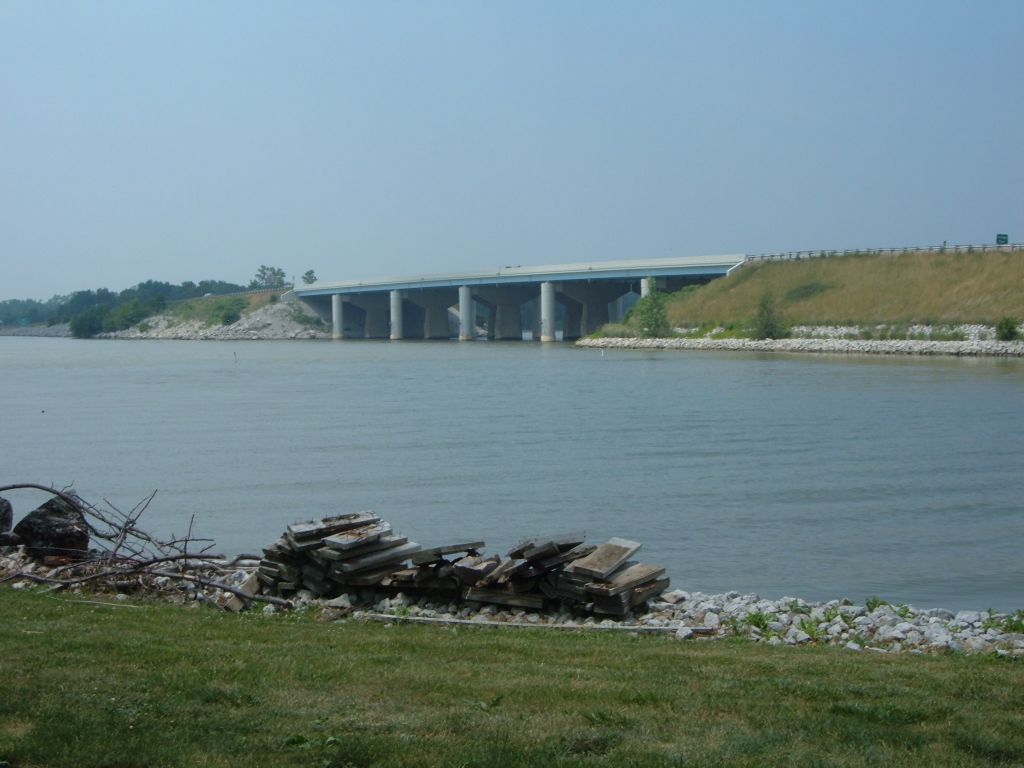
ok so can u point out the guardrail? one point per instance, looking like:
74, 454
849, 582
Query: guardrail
799, 255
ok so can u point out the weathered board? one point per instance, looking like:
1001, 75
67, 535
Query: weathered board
317, 529
378, 559
436, 553
626, 580
603, 561
357, 537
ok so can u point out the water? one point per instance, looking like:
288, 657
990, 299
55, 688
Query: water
816, 477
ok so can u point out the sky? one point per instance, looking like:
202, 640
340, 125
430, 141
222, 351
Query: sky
192, 140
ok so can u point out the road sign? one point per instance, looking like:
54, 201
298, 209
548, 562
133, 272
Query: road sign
1002, 239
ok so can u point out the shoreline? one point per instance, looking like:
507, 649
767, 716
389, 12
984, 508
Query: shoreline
877, 626
904, 347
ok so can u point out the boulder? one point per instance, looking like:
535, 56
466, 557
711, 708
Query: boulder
54, 528
6, 515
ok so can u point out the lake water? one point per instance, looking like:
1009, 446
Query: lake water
811, 476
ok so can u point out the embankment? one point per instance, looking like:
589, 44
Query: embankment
970, 348
950, 287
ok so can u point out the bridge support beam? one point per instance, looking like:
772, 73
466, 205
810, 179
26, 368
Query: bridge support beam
647, 285
396, 315
467, 317
337, 331
547, 311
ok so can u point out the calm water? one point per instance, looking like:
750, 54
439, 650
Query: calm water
808, 476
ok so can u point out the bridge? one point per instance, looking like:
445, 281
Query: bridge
561, 300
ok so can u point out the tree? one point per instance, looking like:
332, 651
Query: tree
650, 317
267, 277
309, 277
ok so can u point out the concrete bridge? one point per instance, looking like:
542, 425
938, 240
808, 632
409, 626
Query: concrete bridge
567, 300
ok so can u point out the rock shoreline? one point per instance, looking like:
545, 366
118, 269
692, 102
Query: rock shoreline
912, 347
877, 628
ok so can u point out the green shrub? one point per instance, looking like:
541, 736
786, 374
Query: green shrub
767, 323
228, 310
649, 316
1006, 328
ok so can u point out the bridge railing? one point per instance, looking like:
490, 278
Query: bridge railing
820, 254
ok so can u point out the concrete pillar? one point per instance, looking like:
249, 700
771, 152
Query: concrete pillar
396, 315
547, 311
467, 320
336, 322
646, 286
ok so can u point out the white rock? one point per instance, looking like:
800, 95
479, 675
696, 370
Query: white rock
343, 602
852, 646
684, 633
711, 620
977, 645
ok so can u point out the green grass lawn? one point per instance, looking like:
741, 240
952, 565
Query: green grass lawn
163, 685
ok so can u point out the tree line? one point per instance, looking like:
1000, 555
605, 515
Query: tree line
91, 312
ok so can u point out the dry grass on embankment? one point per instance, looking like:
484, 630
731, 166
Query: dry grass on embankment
939, 287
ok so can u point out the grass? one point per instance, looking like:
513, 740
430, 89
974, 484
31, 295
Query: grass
164, 685
215, 310
949, 288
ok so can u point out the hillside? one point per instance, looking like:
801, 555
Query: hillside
939, 287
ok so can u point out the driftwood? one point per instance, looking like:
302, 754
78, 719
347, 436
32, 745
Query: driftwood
126, 556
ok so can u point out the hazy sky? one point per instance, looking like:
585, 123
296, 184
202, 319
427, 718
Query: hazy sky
191, 140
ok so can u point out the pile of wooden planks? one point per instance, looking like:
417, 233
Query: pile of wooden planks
331, 555
341, 553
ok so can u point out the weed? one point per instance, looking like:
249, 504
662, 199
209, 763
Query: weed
874, 602
810, 626
795, 606
1014, 622
761, 620
902, 610
832, 612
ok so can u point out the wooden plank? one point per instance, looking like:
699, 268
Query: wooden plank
554, 544
497, 573
500, 597
317, 529
626, 580
393, 555
472, 568
357, 537
337, 555
606, 558
645, 592
370, 578
436, 553
577, 552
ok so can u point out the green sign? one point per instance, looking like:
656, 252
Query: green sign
1002, 239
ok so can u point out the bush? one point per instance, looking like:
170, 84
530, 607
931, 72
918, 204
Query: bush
767, 323
229, 310
650, 317
1006, 329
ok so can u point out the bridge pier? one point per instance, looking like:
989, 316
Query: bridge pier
467, 317
396, 315
337, 329
547, 311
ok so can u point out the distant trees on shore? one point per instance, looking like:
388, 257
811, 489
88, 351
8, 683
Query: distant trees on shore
102, 310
